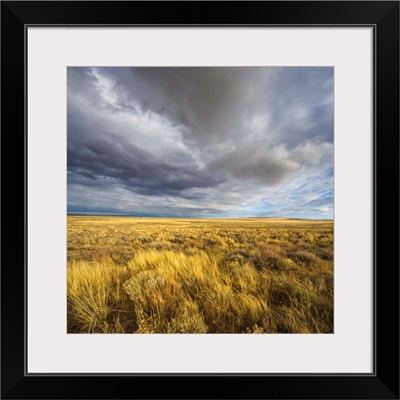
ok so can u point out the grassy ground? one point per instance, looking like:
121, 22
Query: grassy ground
154, 275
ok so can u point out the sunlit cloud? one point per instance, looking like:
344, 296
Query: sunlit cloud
201, 142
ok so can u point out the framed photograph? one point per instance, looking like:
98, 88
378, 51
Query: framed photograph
210, 200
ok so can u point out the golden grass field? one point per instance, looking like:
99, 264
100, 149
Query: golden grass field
160, 275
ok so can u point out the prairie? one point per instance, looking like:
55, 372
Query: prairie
160, 275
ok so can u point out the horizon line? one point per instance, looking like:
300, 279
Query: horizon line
80, 214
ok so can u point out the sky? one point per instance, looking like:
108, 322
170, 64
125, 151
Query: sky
200, 142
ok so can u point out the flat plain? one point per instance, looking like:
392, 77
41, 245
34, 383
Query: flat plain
168, 275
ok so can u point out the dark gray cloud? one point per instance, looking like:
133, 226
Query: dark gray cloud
199, 141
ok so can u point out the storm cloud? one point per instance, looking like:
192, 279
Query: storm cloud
201, 142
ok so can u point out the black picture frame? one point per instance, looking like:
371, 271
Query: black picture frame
383, 383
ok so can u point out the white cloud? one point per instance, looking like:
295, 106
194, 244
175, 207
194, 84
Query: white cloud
195, 141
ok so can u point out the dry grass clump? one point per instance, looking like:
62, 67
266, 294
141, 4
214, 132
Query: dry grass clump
138, 275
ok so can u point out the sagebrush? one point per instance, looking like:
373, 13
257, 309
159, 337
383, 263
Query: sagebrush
155, 275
